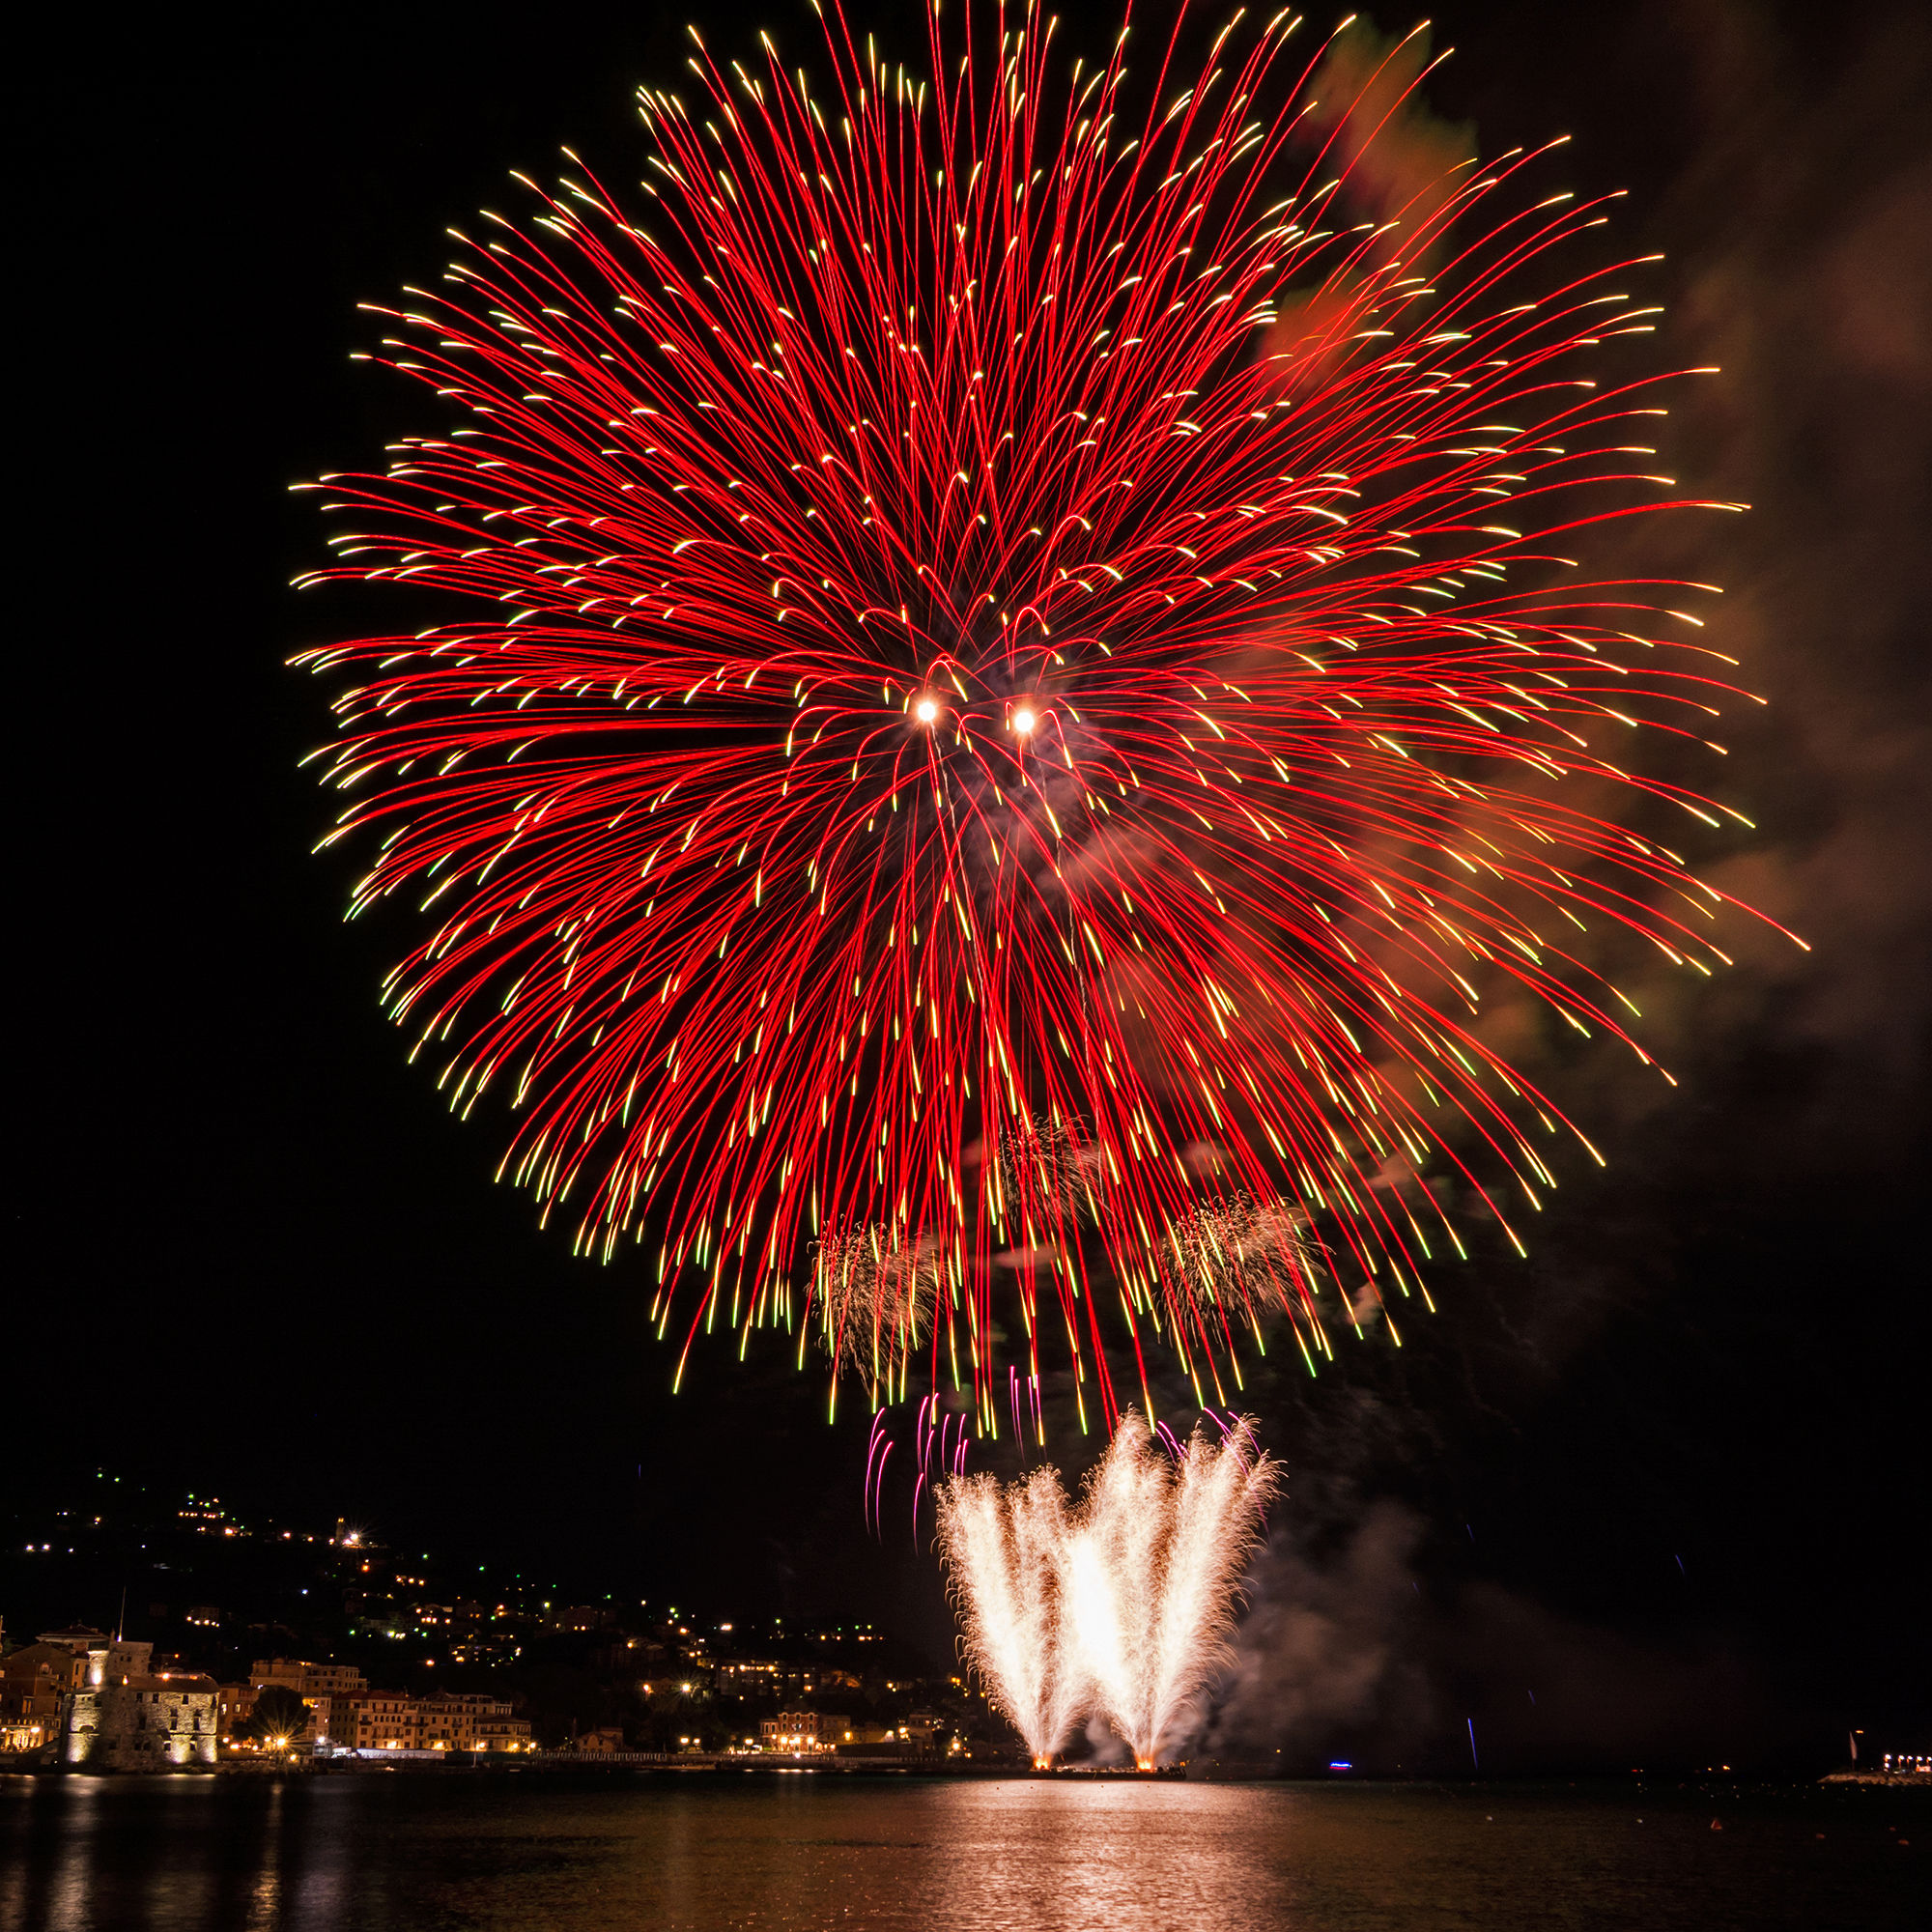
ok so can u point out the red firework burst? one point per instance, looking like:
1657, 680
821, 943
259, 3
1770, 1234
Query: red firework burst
1014, 671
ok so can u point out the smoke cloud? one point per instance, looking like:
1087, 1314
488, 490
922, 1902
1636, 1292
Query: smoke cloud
1807, 278
1329, 1648
1346, 1654
1797, 232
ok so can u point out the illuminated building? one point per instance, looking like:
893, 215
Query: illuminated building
448, 1724
35, 1684
580, 1619
307, 1679
322, 1686
378, 1720
234, 1703
391, 1720
124, 1717
800, 1731
497, 1727
104, 1705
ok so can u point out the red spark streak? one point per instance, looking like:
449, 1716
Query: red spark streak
911, 406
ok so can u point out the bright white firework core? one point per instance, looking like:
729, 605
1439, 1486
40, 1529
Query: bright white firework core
1024, 721
925, 710
1121, 1607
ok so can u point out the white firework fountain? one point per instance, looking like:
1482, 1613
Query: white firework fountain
1122, 1606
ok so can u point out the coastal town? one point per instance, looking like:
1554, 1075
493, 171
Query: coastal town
81, 1699
327, 1648
155, 1632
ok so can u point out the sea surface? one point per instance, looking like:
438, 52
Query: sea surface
418, 1853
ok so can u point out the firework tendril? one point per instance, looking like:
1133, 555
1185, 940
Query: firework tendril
1003, 667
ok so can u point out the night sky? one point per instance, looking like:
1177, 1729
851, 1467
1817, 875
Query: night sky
1676, 1462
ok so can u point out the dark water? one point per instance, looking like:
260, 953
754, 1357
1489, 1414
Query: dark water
421, 1853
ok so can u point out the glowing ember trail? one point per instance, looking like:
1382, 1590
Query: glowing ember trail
1121, 1607
1005, 677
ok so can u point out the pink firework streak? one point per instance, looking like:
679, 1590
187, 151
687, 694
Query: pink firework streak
1009, 670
